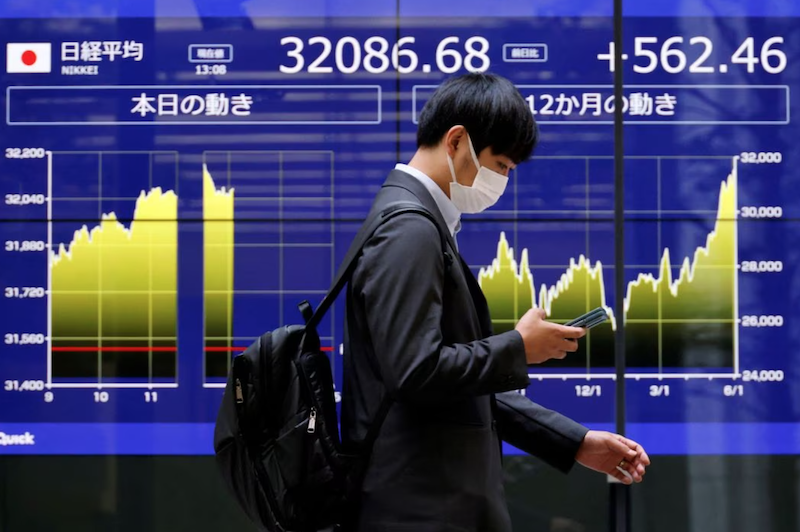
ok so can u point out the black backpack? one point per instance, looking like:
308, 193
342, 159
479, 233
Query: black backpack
276, 438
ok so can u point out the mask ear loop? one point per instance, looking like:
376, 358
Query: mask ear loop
452, 168
474, 156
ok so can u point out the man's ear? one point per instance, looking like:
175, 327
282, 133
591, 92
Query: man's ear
453, 138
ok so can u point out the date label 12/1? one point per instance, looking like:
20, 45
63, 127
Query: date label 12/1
588, 390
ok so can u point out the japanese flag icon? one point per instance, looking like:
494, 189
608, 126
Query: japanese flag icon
28, 58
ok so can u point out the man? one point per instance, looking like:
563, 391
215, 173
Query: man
418, 337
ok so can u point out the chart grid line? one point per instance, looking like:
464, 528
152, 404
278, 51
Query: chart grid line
115, 385
281, 254
516, 238
120, 338
736, 277
49, 155
633, 376
100, 272
333, 259
150, 281
653, 320
659, 248
231, 276
627, 266
587, 296
611, 157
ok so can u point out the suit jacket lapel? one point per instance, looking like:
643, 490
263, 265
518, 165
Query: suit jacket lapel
478, 298
402, 180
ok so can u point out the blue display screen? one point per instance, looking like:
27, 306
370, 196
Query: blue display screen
176, 180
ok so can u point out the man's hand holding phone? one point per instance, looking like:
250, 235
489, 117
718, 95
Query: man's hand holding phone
545, 340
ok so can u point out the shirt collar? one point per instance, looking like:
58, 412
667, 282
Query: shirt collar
452, 216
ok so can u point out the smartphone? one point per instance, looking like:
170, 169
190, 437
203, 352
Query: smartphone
590, 319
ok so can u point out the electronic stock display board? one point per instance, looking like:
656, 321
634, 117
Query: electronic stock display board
176, 177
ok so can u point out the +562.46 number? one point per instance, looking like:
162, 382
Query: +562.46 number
671, 57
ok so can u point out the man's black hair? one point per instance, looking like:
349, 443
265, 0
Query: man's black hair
491, 109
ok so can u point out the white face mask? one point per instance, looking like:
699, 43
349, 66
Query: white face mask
485, 190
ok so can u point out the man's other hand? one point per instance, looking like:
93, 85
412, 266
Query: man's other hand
545, 340
606, 452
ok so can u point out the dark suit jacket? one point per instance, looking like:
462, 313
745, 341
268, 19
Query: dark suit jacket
422, 334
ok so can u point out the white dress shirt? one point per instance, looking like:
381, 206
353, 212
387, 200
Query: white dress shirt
451, 215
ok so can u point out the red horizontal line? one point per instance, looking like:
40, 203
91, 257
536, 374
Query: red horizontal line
239, 348
109, 348
95, 349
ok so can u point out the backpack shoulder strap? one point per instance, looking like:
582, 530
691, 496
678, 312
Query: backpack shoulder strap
348, 265
346, 271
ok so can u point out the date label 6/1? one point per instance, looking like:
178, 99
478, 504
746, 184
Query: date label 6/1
733, 390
